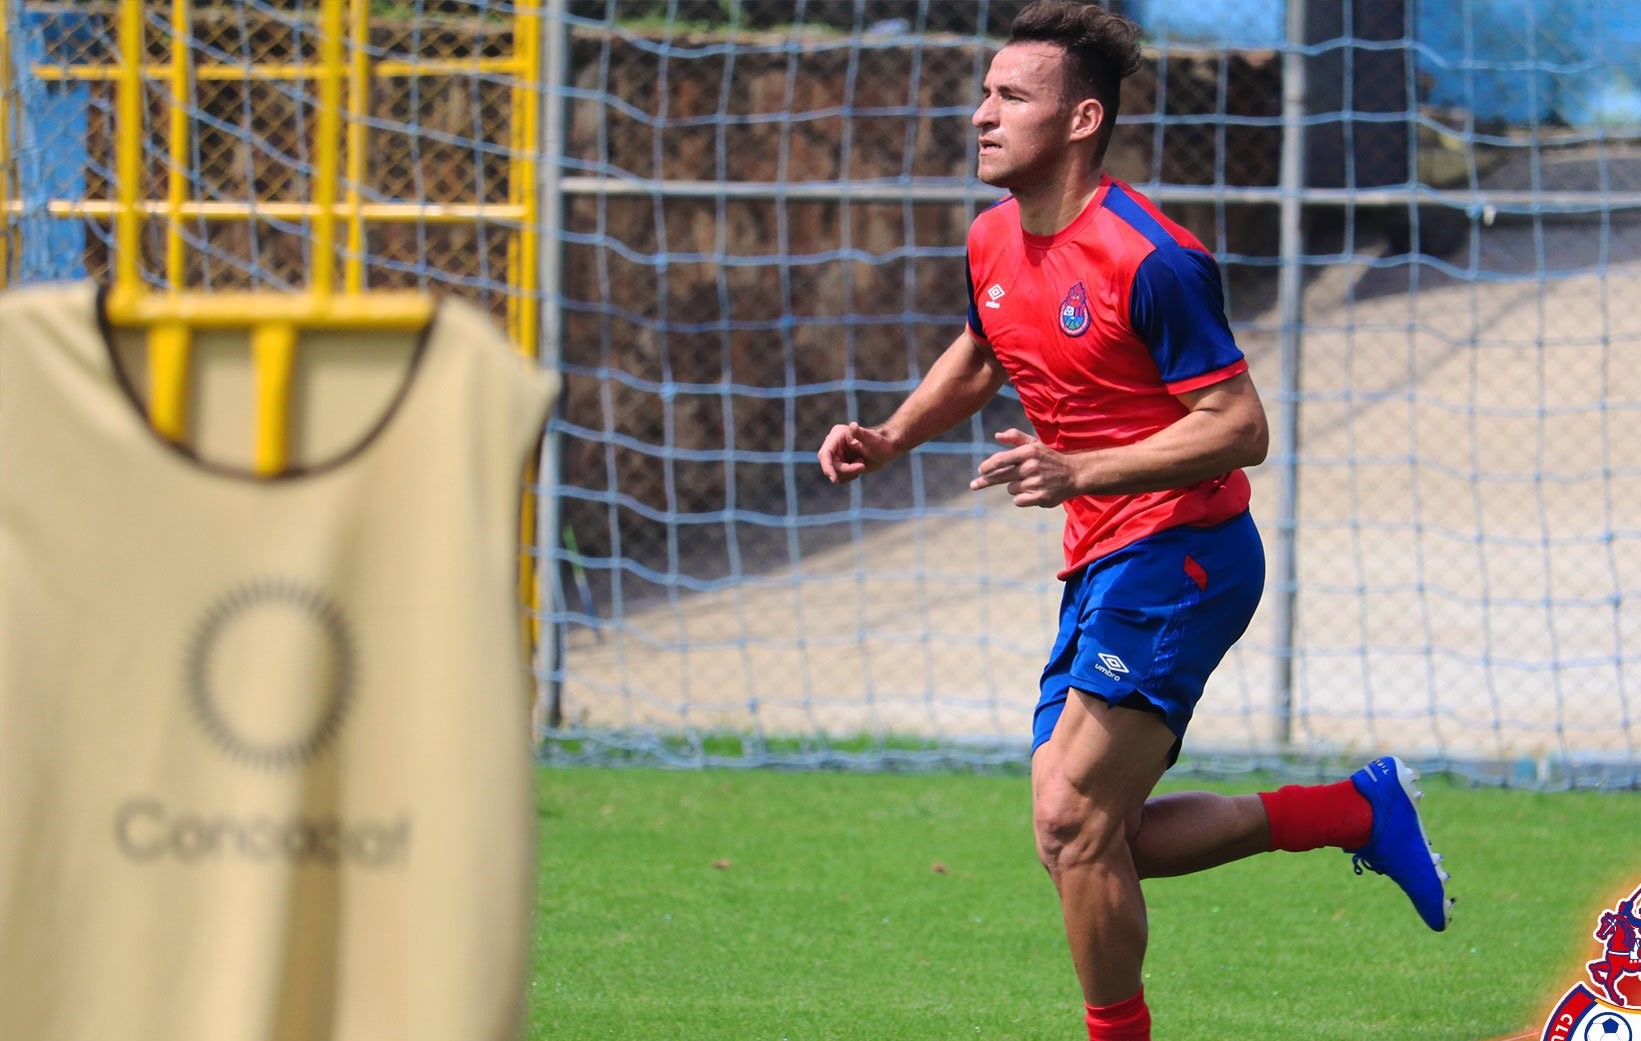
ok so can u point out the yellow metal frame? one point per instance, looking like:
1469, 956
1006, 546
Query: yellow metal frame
130, 210
287, 71
338, 218
370, 212
343, 75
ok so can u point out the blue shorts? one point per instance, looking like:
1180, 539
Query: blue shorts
1143, 627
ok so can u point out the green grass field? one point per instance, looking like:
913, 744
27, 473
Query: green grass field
843, 907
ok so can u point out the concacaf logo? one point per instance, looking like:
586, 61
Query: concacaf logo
1615, 1013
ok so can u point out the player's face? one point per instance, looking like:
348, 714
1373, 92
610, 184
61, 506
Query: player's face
1025, 125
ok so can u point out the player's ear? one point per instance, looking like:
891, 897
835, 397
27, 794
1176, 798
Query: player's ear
1087, 116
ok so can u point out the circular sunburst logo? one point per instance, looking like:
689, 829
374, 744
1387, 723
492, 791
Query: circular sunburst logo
270, 673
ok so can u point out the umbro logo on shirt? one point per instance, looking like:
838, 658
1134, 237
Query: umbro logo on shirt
994, 294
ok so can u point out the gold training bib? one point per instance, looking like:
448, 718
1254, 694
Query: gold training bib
264, 745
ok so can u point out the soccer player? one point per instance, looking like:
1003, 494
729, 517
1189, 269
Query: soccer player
1108, 319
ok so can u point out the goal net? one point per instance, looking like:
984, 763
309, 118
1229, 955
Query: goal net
763, 227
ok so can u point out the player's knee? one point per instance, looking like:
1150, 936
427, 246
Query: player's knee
1072, 831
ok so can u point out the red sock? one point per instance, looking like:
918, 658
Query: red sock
1309, 817
1127, 1020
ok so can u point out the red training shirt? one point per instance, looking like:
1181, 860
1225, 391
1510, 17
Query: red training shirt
1098, 326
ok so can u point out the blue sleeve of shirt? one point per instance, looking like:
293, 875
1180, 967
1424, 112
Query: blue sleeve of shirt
974, 305
1177, 307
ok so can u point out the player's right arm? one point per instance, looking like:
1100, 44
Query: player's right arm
960, 382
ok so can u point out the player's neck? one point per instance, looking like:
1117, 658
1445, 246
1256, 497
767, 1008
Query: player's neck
1052, 205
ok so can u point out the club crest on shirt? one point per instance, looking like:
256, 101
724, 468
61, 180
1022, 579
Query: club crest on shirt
1074, 311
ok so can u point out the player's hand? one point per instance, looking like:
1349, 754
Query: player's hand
851, 450
1035, 474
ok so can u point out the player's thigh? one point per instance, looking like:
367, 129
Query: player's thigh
1090, 779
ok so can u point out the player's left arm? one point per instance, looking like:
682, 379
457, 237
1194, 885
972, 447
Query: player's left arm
1224, 428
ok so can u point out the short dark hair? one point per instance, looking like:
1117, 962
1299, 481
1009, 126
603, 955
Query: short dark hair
1102, 50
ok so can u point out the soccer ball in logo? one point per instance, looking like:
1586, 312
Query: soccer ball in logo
1608, 1026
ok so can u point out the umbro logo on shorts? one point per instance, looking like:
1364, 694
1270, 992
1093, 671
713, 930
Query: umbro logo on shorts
1111, 665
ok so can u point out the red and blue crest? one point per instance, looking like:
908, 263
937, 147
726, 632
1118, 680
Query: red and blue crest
1074, 311
1613, 1014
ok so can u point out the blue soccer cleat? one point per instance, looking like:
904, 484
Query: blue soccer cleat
1397, 846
